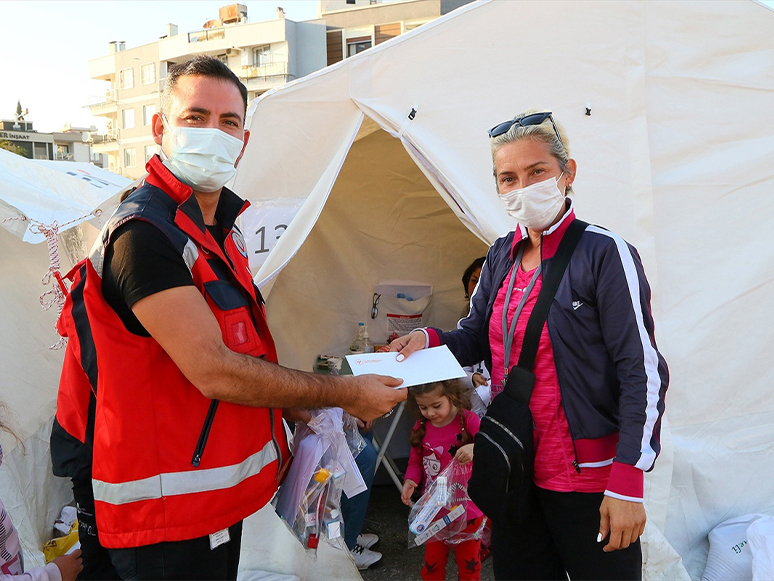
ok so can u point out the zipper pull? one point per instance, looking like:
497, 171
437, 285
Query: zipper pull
196, 460
576, 466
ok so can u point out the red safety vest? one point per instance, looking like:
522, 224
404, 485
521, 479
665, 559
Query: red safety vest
71, 434
170, 464
72, 401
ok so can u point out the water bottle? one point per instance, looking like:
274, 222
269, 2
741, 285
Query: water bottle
368, 345
358, 343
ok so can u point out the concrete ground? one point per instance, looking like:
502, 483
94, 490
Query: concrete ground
387, 516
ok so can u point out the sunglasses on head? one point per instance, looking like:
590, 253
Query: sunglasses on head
526, 121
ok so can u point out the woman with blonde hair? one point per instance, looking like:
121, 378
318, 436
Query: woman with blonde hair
599, 380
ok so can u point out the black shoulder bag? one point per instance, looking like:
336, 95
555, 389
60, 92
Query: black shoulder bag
503, 457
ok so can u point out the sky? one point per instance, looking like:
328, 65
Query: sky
45, 48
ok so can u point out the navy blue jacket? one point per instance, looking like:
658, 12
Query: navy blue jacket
611, 376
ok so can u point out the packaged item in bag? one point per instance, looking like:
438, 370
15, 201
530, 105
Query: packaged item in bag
441, 514
63, 545
309, 500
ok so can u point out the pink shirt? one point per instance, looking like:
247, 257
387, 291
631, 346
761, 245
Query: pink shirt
554, 452
438, 449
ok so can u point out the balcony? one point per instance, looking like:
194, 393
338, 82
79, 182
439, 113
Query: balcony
106, 142
207, 34
265, 76
64, 156
104, 105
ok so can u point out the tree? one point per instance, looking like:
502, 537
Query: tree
8, 146
18, 109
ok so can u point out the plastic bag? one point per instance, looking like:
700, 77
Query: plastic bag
441, 513
730, 556
309, 501
355, 440
760, 536
65, 533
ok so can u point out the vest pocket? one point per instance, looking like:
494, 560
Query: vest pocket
233, 313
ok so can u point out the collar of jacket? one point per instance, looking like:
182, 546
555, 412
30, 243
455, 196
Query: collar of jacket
229, 204
550, 238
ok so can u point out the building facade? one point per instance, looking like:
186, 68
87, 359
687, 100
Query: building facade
356, 25
70, 144
262, 54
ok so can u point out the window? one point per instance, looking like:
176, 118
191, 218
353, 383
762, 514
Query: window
148, 73
130, 157
357, 45
262, 56
351, 1
41, 151
148, 111
62, 152
126, 78
128, 118
150, 151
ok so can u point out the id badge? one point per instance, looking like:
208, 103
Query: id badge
219, 538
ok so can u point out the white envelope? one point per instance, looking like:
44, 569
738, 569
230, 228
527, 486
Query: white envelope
425, 366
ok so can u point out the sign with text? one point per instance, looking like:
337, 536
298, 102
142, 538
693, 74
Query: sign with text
263, 223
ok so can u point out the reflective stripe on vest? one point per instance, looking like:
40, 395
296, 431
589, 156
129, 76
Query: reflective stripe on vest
188, 482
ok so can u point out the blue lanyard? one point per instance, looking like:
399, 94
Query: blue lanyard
509, 333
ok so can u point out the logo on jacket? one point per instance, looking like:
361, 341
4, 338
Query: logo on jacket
239, 242
576, 305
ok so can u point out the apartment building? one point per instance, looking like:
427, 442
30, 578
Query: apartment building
69, 144
356, 25
262, 54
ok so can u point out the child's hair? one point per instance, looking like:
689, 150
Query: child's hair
459, 396
4, 425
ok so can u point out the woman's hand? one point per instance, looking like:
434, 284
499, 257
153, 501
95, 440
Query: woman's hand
69, 565
624, 520
407, 344
408, 489
478, 380
464, 454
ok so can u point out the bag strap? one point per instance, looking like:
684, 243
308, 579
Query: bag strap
552, 276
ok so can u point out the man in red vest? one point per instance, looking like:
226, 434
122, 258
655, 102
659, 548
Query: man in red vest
172, 335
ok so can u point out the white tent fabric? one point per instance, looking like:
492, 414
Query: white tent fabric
675, 156
48, 191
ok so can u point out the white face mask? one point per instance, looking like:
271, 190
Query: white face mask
202, 157
535, 206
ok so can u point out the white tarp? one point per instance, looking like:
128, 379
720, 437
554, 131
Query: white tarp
48, 191
675, 156
43, 192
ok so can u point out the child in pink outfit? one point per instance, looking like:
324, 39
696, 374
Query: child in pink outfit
444, 432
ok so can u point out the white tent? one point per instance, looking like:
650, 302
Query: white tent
384, 161
35, 194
